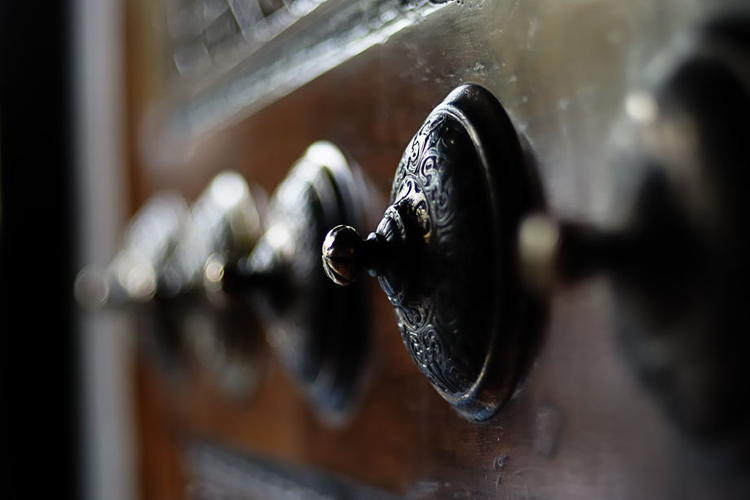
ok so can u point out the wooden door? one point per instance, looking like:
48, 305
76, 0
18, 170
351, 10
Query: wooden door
248, 86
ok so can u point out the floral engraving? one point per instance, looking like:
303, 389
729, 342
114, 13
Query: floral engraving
425, 210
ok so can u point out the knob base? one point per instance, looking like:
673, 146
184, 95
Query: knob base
459, 193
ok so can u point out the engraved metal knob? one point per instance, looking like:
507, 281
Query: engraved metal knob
444, 252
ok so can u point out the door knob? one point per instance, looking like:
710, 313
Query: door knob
445, 252
132, 280
318, 331
676, 248
224, 224
166, 271
133, 275
222, 334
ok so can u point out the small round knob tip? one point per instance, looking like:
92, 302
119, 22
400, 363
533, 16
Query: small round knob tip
342, 254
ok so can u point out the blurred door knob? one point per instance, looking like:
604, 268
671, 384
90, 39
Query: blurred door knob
677, 250
319, 332
165, 270
133, 275
221, 333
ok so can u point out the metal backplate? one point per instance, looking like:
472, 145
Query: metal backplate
458, 193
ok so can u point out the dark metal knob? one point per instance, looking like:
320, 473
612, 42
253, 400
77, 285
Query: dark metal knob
674, 246
134, 279
318, 331
133, 275
444, 252
346, 254
224, 225
168, 269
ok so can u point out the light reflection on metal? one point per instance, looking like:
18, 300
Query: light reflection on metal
170, 270
224, 223
641, 107
328, 35
133, 275
206, 35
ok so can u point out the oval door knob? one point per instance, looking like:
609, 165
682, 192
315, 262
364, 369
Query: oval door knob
444, 252
674, 246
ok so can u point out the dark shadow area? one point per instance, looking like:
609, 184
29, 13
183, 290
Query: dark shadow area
39, 400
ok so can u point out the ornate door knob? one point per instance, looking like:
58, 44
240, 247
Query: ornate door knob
224, 225
445, 252
318, 331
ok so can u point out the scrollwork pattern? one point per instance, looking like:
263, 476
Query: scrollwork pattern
424, 189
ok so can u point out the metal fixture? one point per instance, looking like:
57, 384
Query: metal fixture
318, 331
445, 252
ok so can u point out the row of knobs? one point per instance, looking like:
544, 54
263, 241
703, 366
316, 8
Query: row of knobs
469, 255
206, 279
466, 205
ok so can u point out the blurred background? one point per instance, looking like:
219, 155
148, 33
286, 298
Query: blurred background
169, 171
